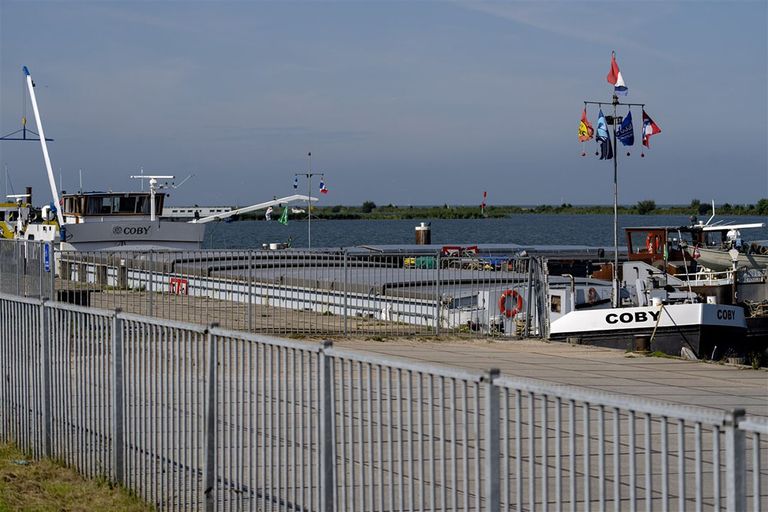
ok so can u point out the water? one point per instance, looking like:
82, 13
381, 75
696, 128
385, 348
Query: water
528, 229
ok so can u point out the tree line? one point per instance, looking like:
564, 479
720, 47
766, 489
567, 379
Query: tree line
369, 210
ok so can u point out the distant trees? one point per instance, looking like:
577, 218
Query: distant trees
699, 208
762, 207
368, 207
645, 206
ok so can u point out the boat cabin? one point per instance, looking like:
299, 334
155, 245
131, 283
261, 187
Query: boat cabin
78, 208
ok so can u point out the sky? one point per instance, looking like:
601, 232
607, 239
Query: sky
405, 103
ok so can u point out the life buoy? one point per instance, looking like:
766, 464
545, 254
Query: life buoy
652, 243
509, 313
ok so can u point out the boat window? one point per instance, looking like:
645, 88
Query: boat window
127, 204
646, 242
554, 305
142, 205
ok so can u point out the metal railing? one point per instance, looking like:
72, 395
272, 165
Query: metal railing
291, 292
191, 417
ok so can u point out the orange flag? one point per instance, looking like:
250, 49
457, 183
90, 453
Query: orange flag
585, 129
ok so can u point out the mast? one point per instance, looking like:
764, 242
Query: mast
49, 169
153, 187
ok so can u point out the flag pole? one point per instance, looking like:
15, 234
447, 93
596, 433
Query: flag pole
616, 287
615, 121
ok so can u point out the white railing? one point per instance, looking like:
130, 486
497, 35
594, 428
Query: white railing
192, 417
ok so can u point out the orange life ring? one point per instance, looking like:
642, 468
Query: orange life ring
509, 313
652, 243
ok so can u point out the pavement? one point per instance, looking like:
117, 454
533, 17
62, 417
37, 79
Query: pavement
697, 383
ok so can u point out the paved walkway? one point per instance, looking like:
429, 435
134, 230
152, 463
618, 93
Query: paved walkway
682, 382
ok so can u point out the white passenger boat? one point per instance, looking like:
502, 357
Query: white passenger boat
119, 220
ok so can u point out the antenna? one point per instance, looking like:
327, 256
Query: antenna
81, 180
153, 188
713, 214
174, 186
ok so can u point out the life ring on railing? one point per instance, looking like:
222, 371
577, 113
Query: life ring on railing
509, 313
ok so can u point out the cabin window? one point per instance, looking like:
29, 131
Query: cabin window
646, 242
142, 205
127, 204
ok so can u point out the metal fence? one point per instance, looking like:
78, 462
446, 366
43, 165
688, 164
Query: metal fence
290, 292
205, 418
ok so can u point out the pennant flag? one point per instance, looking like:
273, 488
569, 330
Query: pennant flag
614, 77
625, 132
296, 182
586, 132
323, 190
284, 217
649, 128
606, 150
485, 195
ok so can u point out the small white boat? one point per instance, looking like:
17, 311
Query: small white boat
751, 256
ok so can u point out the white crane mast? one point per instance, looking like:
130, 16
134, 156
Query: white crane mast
49, 168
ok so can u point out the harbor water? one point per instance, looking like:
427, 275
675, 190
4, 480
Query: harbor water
528, 229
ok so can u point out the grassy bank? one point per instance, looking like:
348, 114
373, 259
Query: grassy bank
27, 484
371, 211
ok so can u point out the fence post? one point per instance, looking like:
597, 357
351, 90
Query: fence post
736, 463
437, 294
45, 371
52, 270
327, 446
150, 268
492, 442
209, 470
250, 291
118, 400
19, 269
346, 292
528, 315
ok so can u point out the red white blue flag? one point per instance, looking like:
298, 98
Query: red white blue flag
614, 77
323, 189
649, 128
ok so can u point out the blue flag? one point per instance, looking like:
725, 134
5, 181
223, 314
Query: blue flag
606, 150
625, 133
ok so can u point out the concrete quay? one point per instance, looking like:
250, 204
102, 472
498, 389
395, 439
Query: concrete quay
696, 383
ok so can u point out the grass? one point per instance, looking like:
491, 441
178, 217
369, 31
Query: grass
44, 485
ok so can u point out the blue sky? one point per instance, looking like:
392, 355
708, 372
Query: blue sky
399, 102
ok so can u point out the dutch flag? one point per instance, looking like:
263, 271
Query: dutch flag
614, 77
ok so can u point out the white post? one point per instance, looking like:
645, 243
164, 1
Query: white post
152, 191
51, 179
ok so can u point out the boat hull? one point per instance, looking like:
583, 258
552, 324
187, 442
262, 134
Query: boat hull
133, 235
703, 328
718, 260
